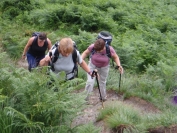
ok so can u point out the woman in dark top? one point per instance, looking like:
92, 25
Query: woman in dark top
35, 49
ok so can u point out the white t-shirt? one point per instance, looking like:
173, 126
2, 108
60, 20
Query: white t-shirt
64, 63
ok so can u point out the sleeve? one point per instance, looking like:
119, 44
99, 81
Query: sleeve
90, 47
112, 50
79, 58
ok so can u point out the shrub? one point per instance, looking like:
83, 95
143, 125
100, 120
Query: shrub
10, 11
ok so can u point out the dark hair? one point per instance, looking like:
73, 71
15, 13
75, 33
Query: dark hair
99, 44
42, 36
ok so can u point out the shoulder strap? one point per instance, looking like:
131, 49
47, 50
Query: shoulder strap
92, 52
53, 59
56, 53
55, 56
35, 39
108, 52
46, 42
74, 56
75, 68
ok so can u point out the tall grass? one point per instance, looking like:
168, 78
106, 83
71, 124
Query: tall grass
144, 36
28, 104
125, 118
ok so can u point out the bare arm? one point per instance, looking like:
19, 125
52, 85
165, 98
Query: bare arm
85, 66
45, 61
29, 43
49, 44
117, 61
85, 54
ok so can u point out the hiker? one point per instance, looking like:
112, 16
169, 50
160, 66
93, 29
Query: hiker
64, 60
35, 49
100, 61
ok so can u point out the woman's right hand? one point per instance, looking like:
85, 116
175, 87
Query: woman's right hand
23, 57
45, 61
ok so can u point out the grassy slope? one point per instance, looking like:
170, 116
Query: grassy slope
155, 25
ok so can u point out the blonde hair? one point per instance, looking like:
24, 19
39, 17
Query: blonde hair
66, 45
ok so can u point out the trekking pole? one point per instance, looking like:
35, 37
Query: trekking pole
95, 73
119, 79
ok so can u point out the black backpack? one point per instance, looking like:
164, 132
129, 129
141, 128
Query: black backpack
56, 54
35, 34
107, 37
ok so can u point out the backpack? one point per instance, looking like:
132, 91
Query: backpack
35, 34
56, 54
107, 37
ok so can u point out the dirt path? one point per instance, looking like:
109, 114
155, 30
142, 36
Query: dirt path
22, 63
91, 112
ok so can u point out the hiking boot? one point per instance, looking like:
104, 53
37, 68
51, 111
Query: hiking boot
104, 99
87, 98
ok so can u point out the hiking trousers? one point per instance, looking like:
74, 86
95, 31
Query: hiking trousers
33, 61
103, 74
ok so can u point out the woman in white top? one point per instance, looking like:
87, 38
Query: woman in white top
65, 61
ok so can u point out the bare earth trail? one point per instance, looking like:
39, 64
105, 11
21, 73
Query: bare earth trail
22, 63
90, 113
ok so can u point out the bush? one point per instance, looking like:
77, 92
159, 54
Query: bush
10, 11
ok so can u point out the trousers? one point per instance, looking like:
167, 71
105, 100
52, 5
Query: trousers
103, 74
33, 61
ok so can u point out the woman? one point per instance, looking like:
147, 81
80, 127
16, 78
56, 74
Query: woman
65, 60
100, 61
35, 49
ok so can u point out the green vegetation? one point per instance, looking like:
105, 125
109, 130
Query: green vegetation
144, 36
28, 104
125, 118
